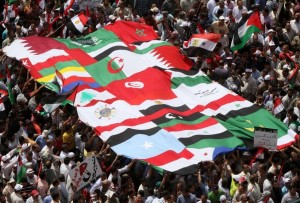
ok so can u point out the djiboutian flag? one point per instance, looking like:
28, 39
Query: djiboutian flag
201, 44
246, 27
77, 23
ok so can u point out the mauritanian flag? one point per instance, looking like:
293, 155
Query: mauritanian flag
245, 28
21, 170
77, 23
201, 44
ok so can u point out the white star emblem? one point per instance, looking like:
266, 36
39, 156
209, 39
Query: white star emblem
25, 63
147, 145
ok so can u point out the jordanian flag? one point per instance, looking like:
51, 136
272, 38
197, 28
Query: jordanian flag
244, 29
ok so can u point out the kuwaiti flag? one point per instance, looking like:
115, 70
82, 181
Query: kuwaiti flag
278, 106
245, 28
201, 44
77, 23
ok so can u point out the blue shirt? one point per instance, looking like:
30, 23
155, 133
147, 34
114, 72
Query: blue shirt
41, 141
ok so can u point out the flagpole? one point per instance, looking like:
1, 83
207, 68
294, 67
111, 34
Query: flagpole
51, 33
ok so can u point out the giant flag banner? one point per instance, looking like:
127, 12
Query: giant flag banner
144, 98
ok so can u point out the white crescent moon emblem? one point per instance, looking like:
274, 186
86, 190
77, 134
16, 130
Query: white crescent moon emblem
170, 116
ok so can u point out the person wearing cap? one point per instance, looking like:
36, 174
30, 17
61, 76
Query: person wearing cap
41, 140
223, 199
287, 184
34, 197
219, 25
9, 189
16, 196
249, 88
7, 163
31, 177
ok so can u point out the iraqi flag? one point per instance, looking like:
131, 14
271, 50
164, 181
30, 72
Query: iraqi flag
77, 23
245, 28
201, 44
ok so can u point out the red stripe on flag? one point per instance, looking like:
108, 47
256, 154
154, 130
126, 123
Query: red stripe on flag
83, 19
168, 157
204, 124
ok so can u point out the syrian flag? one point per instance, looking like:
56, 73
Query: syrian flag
21, 170
201, 44
77, 23
245, 28
278, 106
41, 3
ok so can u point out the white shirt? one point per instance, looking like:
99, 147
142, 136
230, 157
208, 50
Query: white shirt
237, 13
295, 25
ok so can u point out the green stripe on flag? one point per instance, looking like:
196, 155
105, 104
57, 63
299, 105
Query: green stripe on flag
178, 121
245, 38
189, 81
151, 47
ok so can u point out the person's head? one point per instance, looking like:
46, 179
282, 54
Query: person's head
244, 198
292, 190
223, 199
30, 173
240, 4
270, 176
204, 198
55, 182
55, 194
35, 194
297, 16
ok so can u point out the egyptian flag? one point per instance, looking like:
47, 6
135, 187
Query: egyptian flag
278, 106
245, 28
77, 23
201, 44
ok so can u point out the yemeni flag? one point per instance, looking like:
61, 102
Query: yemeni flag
9, 87
77, 23
245, 28
21, 170
201, 44
132, 32
278, 106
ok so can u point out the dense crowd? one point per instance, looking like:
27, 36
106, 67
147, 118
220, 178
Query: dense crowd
50, 145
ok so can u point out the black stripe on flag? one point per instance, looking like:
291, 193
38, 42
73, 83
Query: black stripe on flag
241, 112
109, 51
236, 37
171, 116
129, 133
191, 72
196, 138
72, 27
152, 109
187, 170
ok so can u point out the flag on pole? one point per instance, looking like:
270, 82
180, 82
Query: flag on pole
245, 28
21, 170
201, 44
9, 86
77, 23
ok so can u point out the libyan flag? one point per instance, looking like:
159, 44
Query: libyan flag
245, 28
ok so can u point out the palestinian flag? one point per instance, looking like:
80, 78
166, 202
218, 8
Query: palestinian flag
77, 23
201, 44
244, 29
21, 170
9, 87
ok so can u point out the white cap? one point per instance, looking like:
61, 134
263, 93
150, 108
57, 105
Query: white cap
45, 133
286, 180
222, 198
71, 154
5, 158
18, 187
112, 17
286, 66
248, 70
154, 10
271, 30
109, 193
271, 43
185, 24
29, 171
221, 18
267, 77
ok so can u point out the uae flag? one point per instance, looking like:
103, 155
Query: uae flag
245, 28
201, 44
77, 23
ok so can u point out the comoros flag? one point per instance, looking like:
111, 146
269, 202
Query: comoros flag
249, 24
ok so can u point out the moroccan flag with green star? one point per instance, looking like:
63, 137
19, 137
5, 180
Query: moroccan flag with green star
249, 24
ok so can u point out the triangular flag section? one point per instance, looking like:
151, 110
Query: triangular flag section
145, 99
249, 24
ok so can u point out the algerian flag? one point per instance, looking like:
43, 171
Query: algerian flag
21, 170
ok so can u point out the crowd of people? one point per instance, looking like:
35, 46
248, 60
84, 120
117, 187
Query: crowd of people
49, 146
